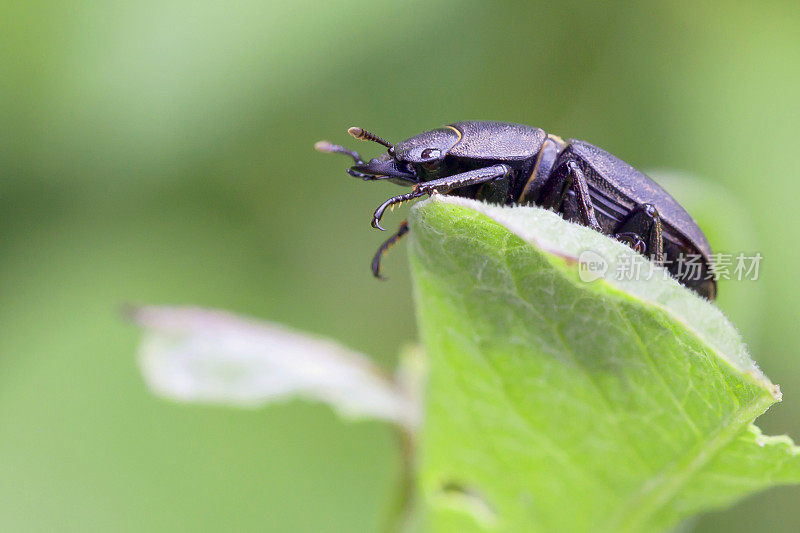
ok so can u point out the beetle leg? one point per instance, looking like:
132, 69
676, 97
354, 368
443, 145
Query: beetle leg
472, 177
446, 184
581, 190
641, 230
566, 191
376, 261
376, 217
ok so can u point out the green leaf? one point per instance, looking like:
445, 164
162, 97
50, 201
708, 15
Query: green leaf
556, 404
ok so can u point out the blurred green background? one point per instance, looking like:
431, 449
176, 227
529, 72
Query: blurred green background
161, 152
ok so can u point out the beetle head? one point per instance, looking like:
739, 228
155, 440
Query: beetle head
386, 166
415, 159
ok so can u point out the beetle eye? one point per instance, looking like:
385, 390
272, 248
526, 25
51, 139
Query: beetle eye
431, 153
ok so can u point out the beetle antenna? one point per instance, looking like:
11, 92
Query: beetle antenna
363, 135
329, 148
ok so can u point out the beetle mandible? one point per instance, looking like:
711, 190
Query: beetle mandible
508, 163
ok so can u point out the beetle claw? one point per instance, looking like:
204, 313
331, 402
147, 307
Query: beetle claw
391, 202
376, 217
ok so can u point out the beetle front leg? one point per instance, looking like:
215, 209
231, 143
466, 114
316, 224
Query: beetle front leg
376, 217
376, 261
444, 185
641, 230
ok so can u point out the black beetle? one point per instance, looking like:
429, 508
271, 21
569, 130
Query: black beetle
509, 163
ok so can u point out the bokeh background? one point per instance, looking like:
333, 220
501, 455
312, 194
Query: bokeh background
161, 152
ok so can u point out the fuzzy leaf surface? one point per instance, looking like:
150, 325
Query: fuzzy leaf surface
556, 404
